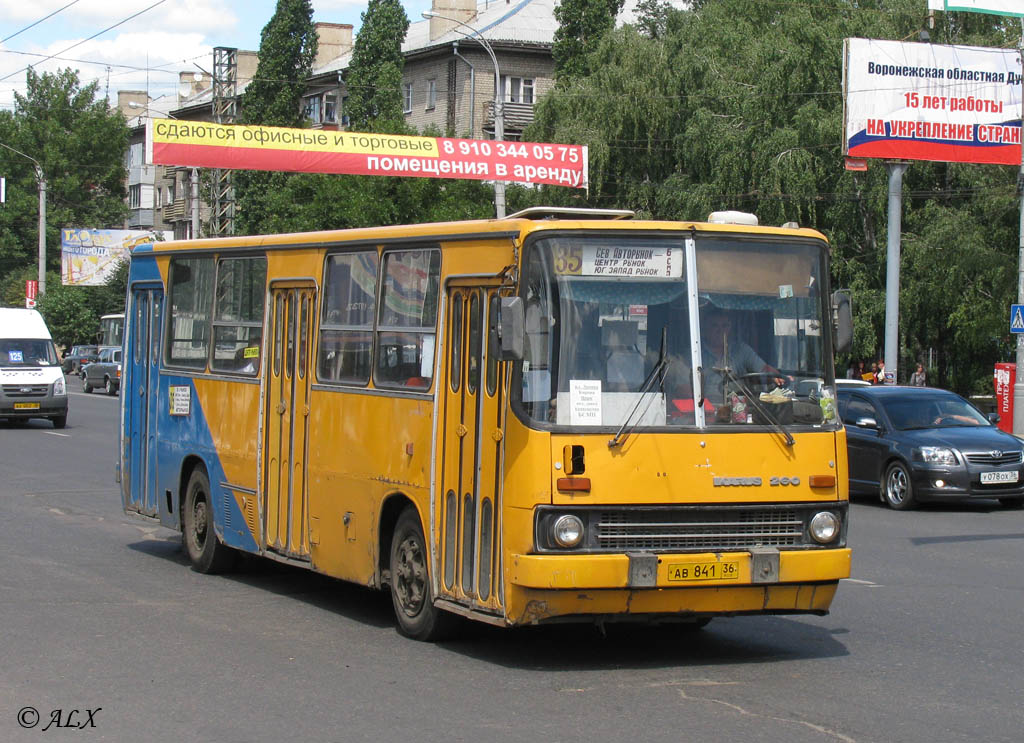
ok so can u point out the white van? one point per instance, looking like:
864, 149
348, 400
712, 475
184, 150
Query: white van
31, 380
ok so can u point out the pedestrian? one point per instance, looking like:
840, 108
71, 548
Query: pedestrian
851, 370
862, 373
880, 375
874, 373
917, 379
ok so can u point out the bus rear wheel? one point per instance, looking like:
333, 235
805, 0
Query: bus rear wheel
411, 593
205, 551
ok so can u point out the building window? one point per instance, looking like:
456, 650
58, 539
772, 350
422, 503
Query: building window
330, 108
517, 89
135, 196
312, 108
431, 94
407, 98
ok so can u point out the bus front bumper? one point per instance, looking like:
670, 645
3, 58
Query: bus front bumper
728, 569
545, 588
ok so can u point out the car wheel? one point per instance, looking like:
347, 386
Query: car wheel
59, 421
897, 490
206, 553
411, 593
109, 387
85, 385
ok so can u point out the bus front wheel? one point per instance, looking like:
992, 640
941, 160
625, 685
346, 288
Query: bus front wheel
411, 594
205, 551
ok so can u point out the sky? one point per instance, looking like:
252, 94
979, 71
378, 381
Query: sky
148, 42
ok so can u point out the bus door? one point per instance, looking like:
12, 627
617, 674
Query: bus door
141, 368
468, 528
286, 419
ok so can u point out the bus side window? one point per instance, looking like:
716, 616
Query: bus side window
346, 323
406, 325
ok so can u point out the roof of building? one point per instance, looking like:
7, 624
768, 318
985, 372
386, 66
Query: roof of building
499, 21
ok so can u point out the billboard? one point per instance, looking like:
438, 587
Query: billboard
995, 7
89, 257
200, 144
912, 101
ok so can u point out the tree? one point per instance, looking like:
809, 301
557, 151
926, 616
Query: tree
738, 105
68, 315
288, 46
374, 75
581, 25
80, 143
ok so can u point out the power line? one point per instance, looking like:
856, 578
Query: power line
51, 15
99, 33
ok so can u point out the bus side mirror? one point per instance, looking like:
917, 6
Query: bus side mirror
843, 317
511, 329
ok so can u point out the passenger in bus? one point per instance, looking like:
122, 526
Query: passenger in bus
720, 351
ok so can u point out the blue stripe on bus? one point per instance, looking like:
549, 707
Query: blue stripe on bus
184, 435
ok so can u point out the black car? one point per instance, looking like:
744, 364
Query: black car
914, 444
78, 356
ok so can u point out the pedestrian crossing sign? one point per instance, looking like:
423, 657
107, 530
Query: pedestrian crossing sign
1017, 318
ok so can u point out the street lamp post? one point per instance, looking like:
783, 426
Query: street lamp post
194, 177
42, 215
499, 117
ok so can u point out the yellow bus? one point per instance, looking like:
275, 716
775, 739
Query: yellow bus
562, 415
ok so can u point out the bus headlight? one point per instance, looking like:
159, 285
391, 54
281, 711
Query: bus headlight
567, 531
824, 527
59, 388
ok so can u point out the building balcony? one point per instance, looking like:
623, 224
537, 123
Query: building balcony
175, 210
517, 116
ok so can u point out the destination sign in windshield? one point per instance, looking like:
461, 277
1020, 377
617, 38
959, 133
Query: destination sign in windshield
641, 262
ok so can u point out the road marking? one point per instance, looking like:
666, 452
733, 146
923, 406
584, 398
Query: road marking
54, 433
863, 582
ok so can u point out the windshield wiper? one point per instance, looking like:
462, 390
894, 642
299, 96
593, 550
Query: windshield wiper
752, 399
657, 373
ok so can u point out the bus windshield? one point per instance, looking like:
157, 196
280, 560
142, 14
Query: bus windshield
614, 331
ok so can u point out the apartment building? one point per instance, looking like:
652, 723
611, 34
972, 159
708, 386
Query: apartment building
448, 83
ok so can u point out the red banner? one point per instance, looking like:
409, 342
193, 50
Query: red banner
205, 145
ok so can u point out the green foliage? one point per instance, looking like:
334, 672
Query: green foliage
738, 104
288, 47
68, 314
79, 143
374, 76
581, 26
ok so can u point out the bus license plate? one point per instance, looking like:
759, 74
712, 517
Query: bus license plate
694, 571
26, 406
987, 478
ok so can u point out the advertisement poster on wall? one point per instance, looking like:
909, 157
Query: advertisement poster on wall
89, 257
918, 101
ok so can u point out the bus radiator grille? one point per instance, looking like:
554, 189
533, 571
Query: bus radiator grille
698, 530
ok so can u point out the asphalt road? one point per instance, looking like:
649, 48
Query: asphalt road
100, 613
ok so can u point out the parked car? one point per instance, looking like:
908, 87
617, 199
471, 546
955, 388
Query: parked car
77, 356
852, 383
105, 373
914, 444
